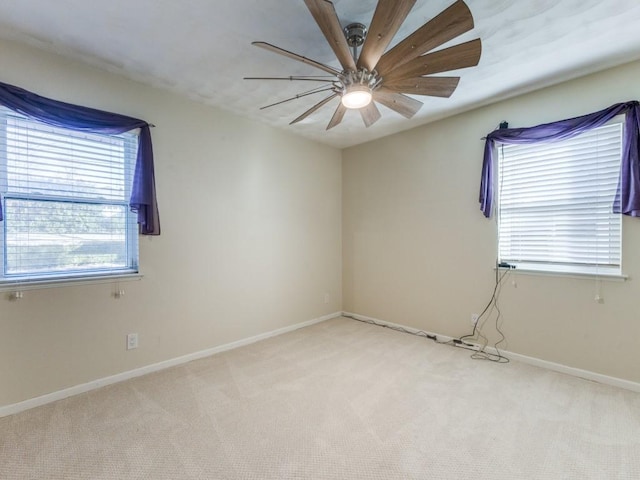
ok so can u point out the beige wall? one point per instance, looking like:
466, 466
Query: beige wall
417, 250
251, 240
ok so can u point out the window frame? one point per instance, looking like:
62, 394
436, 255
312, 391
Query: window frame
131, 271
550, 267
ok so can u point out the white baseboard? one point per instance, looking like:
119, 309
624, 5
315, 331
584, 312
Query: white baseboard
576, 372
556, 367
120, 377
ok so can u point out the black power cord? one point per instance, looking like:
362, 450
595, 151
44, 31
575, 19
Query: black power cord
480, 351
417, 333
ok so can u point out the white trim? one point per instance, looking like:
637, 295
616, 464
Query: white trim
556, 367
70, 281
120, 377
599, 276
576, 372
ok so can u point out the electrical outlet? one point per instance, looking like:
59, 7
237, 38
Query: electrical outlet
326, 298
474, 318
132, 341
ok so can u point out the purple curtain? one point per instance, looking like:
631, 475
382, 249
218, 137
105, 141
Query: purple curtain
627, 199
66, 115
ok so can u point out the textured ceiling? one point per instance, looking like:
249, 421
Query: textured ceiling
202, 48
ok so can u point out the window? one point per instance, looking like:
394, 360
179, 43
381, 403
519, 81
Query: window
65, 198
555, 204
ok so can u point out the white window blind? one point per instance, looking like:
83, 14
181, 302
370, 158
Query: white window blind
65, 197
555, 204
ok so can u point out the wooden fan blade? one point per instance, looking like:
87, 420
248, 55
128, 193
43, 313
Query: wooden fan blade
338, 115
370, 114
295, 56
299, 95
405, 106
325, 15
450, 23
460, 56
314, 108
386, 21
292, 78
430, 86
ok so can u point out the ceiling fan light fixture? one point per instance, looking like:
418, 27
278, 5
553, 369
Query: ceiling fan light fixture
357, 96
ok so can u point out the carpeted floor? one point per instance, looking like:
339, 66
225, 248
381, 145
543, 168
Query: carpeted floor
339, 400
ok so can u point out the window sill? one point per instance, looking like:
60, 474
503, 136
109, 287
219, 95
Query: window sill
580, 275
54, 282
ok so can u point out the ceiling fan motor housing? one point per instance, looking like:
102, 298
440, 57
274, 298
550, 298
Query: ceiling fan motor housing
355, 34
360, 77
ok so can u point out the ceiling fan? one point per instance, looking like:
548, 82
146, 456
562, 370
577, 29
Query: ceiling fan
384, 77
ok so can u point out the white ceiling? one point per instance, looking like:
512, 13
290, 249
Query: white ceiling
202, 48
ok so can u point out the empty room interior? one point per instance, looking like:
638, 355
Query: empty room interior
214, 267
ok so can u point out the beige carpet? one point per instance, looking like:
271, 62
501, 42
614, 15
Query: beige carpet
338, 400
